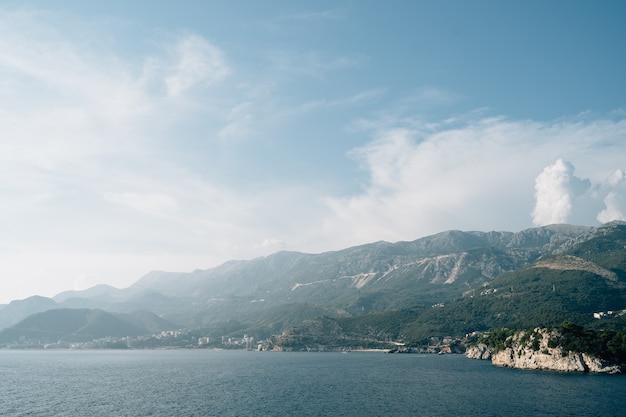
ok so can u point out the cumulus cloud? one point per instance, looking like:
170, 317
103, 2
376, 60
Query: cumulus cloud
474, 174
615, 200
555, 189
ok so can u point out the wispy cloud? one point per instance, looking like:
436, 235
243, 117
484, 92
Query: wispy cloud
86, 143
311, 63
239, 122
353, 100
195, 61
113, 166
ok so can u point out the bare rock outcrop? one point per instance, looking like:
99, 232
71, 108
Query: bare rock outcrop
531, 350
480, 351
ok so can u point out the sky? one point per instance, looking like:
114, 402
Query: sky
158, 135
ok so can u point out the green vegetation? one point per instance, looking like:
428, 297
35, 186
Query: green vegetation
498, 339
605, 344
450, 284
532, 297
74, 325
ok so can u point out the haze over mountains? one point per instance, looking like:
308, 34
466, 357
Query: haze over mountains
273, 294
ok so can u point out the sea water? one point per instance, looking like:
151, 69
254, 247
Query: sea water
239, 383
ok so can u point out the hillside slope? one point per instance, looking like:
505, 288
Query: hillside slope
74, 325
379, 276
483, 279
586, 278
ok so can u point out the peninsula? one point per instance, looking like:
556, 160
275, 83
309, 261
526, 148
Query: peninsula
567, 348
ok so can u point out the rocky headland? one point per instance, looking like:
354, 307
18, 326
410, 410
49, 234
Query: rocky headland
540, 349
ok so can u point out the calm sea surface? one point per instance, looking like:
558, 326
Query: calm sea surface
237, 383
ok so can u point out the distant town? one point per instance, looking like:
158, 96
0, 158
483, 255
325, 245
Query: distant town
196, 339
172, 339
188, 339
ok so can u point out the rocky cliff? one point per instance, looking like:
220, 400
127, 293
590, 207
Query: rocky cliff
480, 351
532, 350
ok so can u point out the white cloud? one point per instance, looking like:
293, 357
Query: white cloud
617, 179
196, 61
555, 189
239, 121
615, 200
111, 167
86, 161
614, 208
473, 175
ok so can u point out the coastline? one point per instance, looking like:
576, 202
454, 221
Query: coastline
536, 351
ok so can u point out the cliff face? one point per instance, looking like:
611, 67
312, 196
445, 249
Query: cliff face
554, 361
480, 351
532, 351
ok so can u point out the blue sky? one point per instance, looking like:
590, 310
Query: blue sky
153, 135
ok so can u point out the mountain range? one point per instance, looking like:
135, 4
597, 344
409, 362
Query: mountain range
448, 283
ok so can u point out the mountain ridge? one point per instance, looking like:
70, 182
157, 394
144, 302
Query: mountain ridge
371, 278
77, 325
